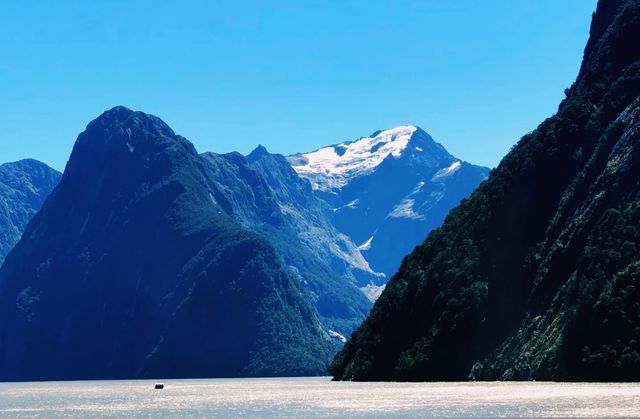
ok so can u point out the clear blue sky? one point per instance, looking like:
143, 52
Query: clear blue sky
292, 75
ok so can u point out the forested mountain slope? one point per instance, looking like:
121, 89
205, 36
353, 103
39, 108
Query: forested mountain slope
132, 269
537, 274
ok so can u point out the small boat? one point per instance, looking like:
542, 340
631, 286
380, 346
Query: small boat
159, 386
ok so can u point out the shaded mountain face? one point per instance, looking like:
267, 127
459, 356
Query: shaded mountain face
311, 217
389, 190
536, 275
264, 194
132, 268
24, 186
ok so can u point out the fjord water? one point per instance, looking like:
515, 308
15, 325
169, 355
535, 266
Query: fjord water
318, 397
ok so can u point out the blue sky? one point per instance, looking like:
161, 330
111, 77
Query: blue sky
291, 75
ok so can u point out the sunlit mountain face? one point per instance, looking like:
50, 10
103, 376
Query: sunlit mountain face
388, 190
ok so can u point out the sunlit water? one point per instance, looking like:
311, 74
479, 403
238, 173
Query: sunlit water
317, 397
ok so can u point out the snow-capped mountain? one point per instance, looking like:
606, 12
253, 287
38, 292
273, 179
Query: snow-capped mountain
388, 190
335, 166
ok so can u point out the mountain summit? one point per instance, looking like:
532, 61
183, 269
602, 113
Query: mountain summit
132, 268
389, 190
335, 166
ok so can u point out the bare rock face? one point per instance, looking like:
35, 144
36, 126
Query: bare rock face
24, 186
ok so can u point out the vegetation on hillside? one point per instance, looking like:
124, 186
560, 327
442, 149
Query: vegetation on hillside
535, 275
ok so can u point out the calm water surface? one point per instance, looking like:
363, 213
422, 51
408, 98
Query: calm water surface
317, 397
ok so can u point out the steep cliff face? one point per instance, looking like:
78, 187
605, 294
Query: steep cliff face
133, 269
264, 194
24, 186
535, 276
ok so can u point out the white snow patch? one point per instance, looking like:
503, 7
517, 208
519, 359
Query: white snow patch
333, 167
346, 250
366, 245
372, 292
405, 210
337, 335
353, 204
447, 171
418, 187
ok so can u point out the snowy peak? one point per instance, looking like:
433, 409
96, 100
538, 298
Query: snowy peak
447, 171
334, 166
387, 191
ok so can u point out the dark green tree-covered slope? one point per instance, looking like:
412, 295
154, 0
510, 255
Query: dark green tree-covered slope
24, 185
537, 274
132, 269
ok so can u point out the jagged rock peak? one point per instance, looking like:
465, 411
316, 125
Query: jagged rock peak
258, 152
